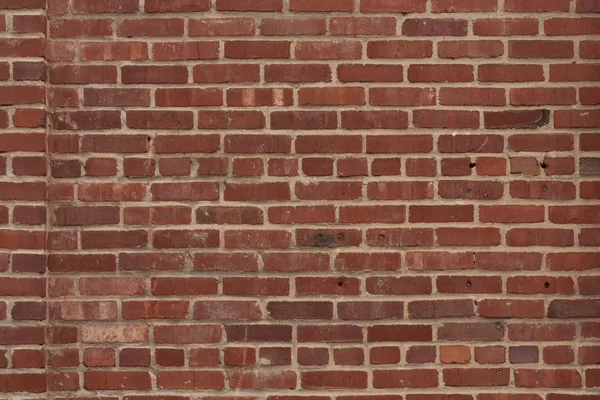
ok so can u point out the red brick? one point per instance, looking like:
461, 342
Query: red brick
152, 27
100, 51
257, 49
510, 73
448, 6
416, 378
540, 49
399, 286
221, 27
285, 27
563, 378
158, 6
334, 380
434, 27
505, 27
249, 5
372, 6
470, 49
222, 73
297, 73
324, 5
327, 50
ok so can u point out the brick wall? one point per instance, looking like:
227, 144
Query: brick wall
299, 199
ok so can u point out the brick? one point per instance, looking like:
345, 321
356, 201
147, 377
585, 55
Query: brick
399, 49
285, 27
222, 73
296, 73
327, 5
401, 96
327, 50
455, 354
362, 26
373, 6
446, 119
334, 380
470, 49
249, 5
158, 6
259, 97
449, 6
530, 119
472, 96
440, 73
542, 96
374, 120
370, 73
461, 377
573, 73
542, 190
479, 331
589, 49
536, 6
100, 51
221, 27
420, 354
257, 49
551, 49
510, 308
466, 284
417, 378
511, 214
510, 73
399, 190
399, 286
173, 120
547, 237
190, 380
576, 119
586, 6
231, 120
331, 96
190, 50
236, 310
571, 26
490, 355
153, 27
505, 27
154, 74
440, 309
558, 355
67, 74
434, 27
549, 378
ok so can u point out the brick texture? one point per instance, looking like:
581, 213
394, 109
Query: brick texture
299, 199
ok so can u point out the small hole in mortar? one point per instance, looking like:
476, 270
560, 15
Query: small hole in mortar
547, 284
543, 165
472, 165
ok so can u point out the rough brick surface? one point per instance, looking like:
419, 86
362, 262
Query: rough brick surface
299, 199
